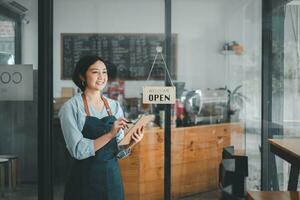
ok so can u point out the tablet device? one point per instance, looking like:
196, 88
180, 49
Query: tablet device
142, 121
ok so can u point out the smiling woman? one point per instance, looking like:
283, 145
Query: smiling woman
96, 75
92, 135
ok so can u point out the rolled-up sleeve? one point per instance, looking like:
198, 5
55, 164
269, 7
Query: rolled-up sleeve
78, 146
119, 113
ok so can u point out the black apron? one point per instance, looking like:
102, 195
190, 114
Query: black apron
97, 177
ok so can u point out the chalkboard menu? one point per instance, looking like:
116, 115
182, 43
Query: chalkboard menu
128, 56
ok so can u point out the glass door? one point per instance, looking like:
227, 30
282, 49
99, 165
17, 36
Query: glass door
18, 100
125, 34
284, 90
218, 95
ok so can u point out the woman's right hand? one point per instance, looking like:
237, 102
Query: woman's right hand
118, 124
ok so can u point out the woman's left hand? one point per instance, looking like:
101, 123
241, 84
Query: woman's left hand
138, 135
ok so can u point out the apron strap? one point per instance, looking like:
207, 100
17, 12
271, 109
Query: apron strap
108, 110
86, 107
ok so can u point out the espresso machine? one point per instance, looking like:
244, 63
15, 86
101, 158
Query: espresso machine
208, 106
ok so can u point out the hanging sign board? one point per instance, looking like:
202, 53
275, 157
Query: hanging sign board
16, 83
159, 95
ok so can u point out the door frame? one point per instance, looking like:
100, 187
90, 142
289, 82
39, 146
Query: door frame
45, 96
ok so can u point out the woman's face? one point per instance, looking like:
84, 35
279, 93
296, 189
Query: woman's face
96, 76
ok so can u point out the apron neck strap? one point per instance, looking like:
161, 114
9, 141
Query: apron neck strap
108, 110
86, 107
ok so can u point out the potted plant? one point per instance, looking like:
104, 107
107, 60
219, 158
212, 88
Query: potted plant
234, 104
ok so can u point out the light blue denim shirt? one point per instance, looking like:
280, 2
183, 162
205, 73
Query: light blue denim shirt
72, 118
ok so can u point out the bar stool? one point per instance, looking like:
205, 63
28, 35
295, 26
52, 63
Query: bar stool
13, 176
3, 165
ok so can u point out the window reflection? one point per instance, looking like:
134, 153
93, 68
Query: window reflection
7, 41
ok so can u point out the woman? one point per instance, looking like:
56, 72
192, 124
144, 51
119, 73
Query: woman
92, 127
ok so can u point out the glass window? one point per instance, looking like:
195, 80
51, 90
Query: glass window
219, 102
285, 87
7, 40
18, 100
125, 34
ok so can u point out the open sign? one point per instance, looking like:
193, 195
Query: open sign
159, 95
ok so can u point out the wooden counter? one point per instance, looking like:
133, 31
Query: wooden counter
196, 155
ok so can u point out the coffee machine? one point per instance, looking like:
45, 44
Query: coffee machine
208, 106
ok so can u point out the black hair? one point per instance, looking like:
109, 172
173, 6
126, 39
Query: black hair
81, 68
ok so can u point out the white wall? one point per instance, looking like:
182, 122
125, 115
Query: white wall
102, 16
201, 25
201, 34
244, 26
197, 23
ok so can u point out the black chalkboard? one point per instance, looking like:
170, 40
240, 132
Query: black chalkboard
129, 56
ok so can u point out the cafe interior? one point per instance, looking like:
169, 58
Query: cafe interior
232, 131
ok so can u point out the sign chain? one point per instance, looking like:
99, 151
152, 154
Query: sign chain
158, 51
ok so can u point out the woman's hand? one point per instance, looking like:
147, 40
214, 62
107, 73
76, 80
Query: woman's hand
118, 124
138, 135
104, 139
